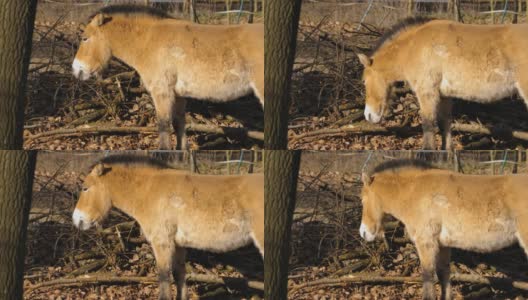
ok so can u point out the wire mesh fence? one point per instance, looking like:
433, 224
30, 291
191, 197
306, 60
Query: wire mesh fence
384, 13
201, 11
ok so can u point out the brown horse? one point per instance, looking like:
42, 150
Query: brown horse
442, 209
175, 59
440, 60
175, 210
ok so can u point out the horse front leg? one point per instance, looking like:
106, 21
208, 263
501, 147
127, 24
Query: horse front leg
178, 123
163, 102
428, 253
163, 252
428, 108
178, 272
442, 272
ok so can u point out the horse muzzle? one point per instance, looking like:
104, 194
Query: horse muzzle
371, 115
365, 233
80, 71
80, 220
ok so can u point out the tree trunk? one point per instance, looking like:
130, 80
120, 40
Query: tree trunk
16, 28
281, 23
16, 181
281, 169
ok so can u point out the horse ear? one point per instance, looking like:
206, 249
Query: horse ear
102, 19
366, 178
100, 169
365, 60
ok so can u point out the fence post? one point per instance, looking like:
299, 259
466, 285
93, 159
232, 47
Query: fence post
252, 7
228, 158
228, 8
251, 159
192, 160
192, 10
492, 158
410, 8
519, 9
457, 11
455, 161
492, 8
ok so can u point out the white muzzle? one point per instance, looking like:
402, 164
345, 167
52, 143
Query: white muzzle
80, 71
371, 115
365, 233
80, 220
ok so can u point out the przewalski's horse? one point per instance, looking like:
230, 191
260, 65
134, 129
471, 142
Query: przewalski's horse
175, 210
175, 59
440, 60
442, 209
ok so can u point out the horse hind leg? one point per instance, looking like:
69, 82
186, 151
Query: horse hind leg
442, 272
178, 272
178, 123
258, 241
445, 117
522, 90
258, 90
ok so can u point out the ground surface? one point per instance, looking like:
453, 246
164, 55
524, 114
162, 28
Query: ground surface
57, 101
326, 242
58, 251
329, 97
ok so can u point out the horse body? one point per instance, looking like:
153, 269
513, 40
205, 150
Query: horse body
175, 210
229, 219
210, 62
442, 209
441, 60
175, 59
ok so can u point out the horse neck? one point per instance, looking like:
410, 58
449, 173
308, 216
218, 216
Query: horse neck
386, 58
384, 63
126, 38
125, 188
389, 194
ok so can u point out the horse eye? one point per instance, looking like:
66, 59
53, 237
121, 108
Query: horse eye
84, 39
84, 189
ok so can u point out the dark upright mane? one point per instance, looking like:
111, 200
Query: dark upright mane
401, 26
132, 160
397, 164
132, 10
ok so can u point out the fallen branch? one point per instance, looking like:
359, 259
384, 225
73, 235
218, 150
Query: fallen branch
228, 131
374, 278
360, 128
366, 128
495, 131
111, 279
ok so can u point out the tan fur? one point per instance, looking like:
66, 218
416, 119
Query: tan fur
442, 209
177, 59
441, 60
178, 210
